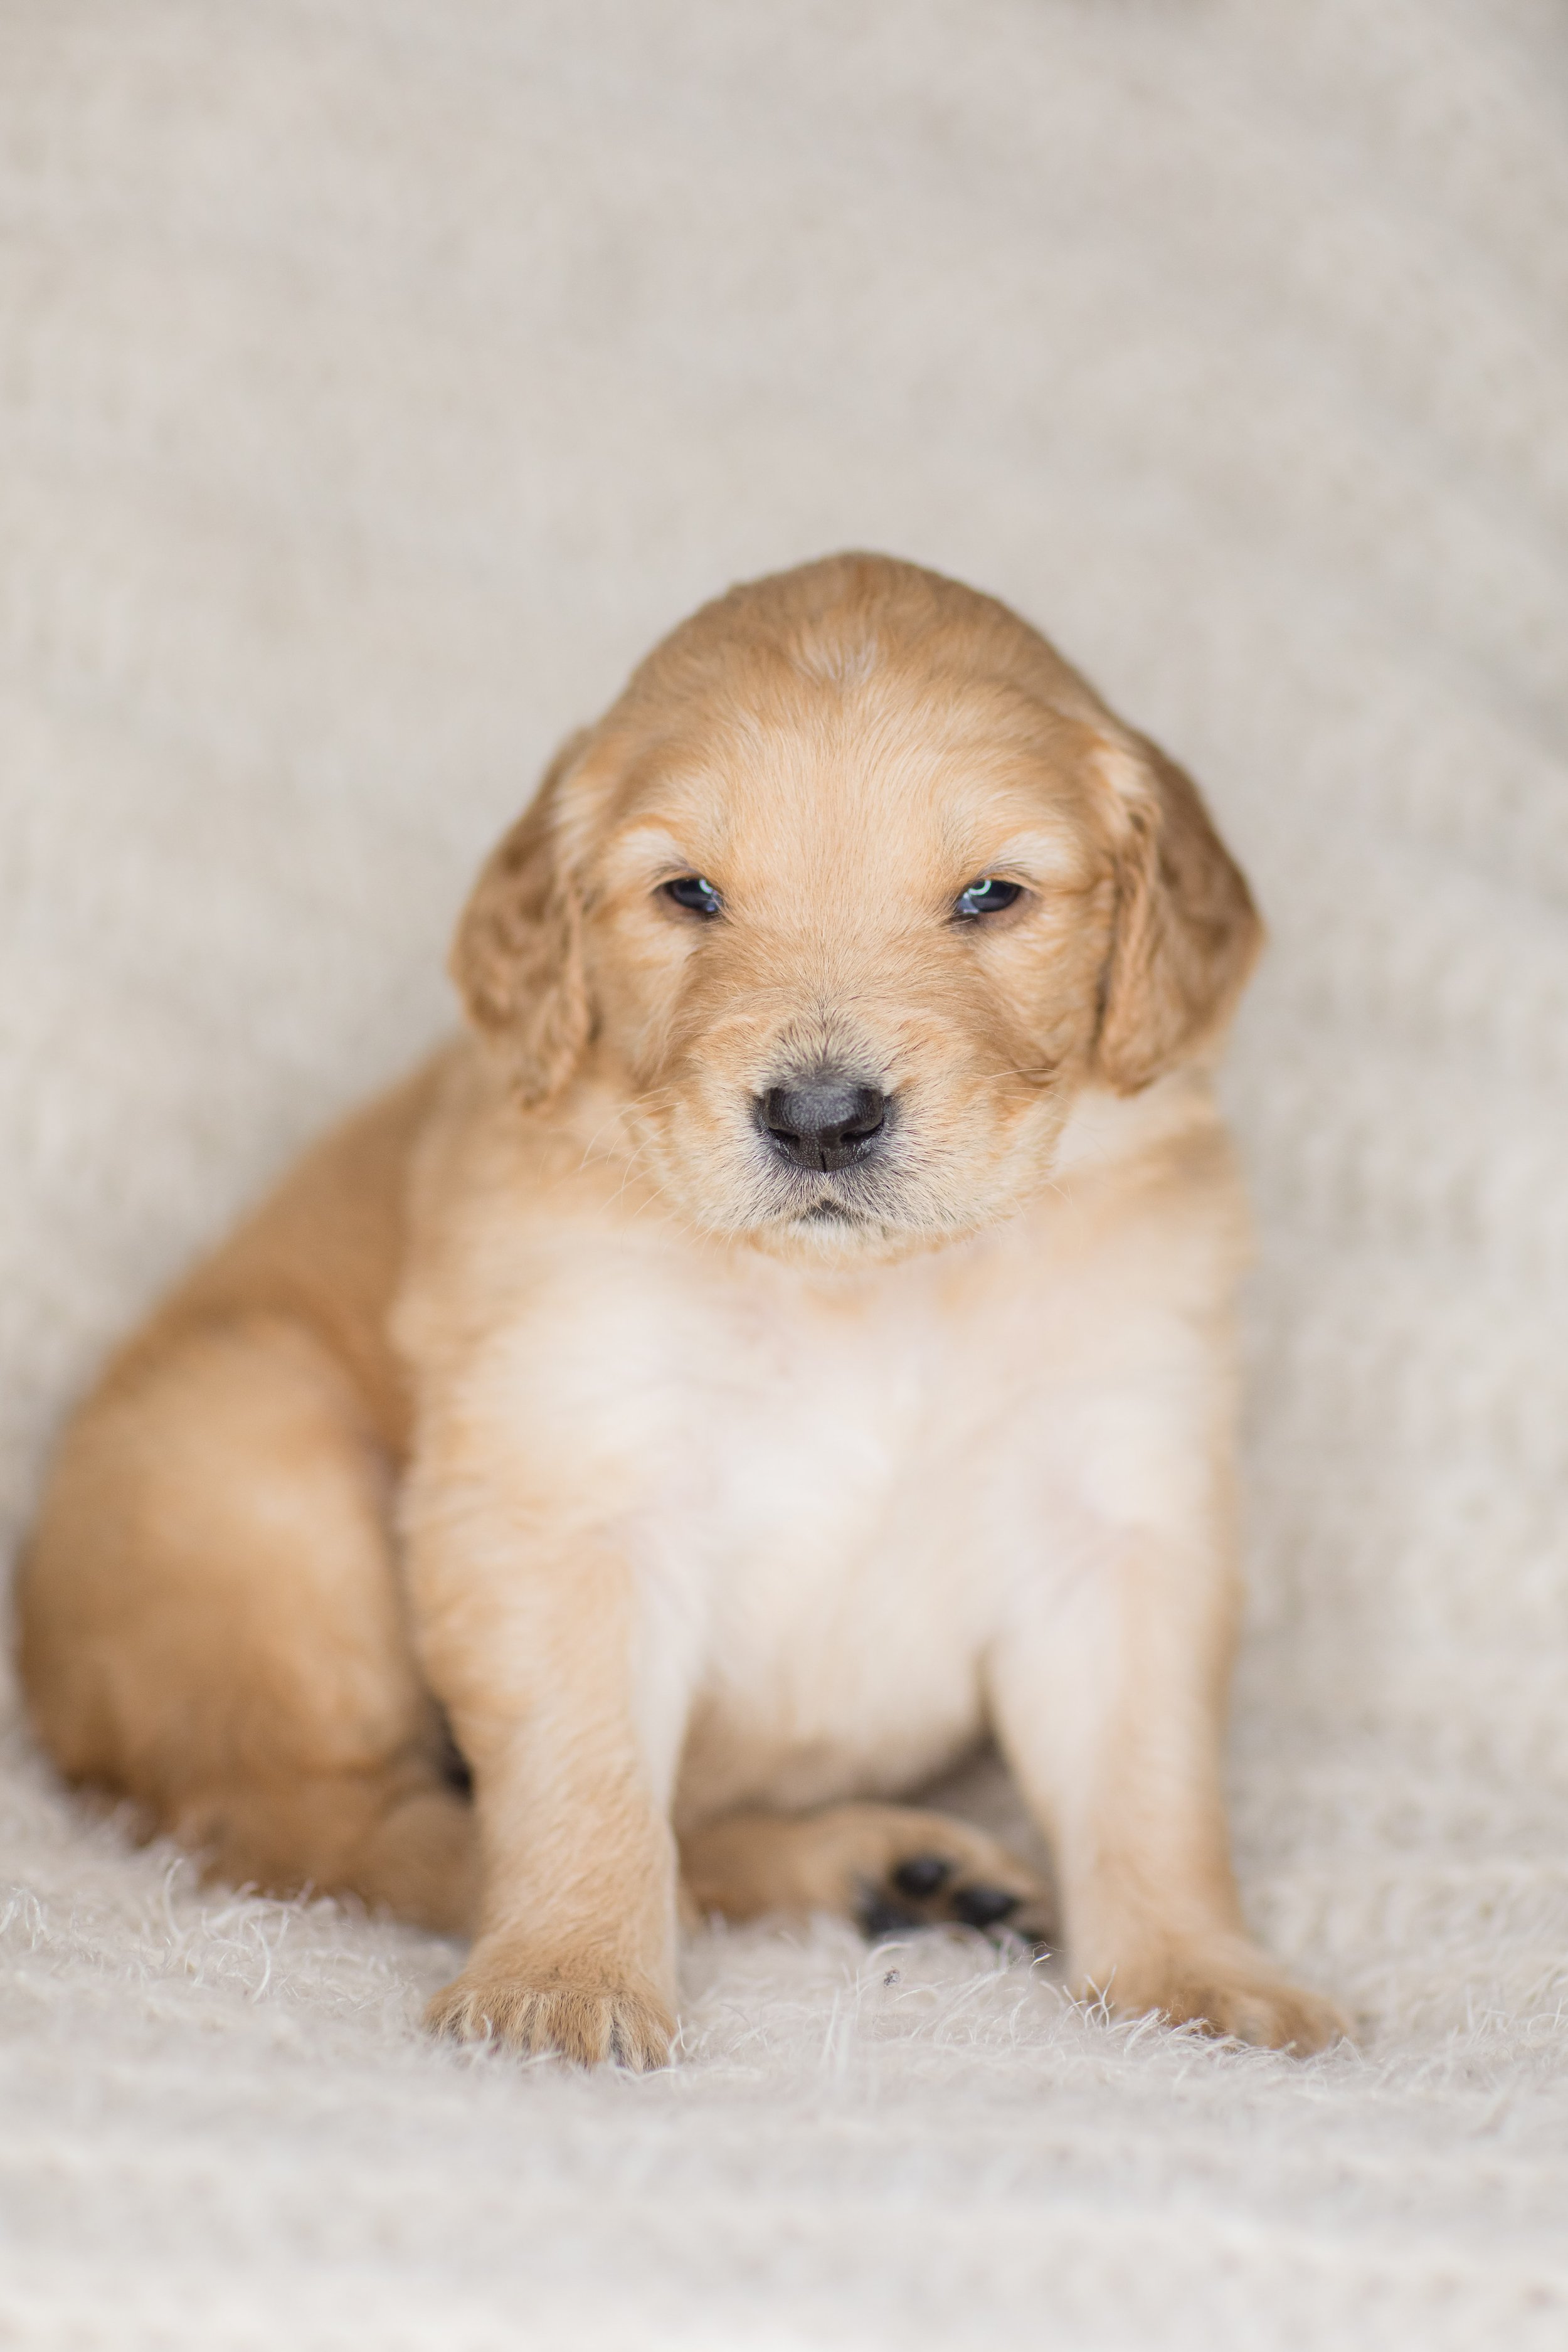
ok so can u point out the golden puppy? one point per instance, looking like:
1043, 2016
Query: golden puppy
786, 1341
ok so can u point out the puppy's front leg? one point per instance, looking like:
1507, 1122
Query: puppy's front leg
568, 1710
1108, 1687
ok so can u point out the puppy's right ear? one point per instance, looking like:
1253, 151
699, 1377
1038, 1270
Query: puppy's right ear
518, 955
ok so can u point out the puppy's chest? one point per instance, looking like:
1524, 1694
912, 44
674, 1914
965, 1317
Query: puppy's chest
815, 1519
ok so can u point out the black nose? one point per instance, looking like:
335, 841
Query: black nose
828, 1120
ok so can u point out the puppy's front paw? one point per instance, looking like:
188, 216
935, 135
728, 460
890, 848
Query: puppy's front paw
1232, 1990
578, 2008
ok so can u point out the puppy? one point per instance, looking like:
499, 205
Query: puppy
785, 1342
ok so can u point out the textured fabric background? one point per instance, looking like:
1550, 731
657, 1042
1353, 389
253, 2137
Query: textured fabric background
377, 378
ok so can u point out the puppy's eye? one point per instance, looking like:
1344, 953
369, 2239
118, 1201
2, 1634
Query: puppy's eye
986, 897
696, 893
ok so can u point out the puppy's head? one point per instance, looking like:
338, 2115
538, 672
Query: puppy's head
844, 898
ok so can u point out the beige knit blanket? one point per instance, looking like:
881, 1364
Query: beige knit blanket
377, 378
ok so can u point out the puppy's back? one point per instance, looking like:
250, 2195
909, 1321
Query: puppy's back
207, 1605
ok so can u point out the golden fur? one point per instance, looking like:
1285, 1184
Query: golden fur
716, 1499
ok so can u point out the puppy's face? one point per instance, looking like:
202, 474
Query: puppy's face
845, 899
848, 961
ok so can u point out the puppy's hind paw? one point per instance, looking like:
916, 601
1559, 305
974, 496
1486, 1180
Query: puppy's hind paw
943, 1874
889, 1868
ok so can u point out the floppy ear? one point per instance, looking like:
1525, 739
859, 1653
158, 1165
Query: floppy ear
518, 956
1187, 933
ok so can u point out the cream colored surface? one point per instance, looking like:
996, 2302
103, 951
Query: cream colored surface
377, 383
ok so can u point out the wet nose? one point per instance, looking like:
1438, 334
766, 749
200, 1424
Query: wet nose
828, 1120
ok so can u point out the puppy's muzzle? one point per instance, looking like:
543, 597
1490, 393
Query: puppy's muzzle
826, 1120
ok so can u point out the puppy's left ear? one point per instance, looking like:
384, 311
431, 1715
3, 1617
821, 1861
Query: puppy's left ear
1187, 933
518, 955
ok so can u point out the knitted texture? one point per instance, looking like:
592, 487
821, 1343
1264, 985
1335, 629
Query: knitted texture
377, 380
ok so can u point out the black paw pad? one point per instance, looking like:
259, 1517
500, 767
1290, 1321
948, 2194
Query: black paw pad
982, 1907
878, 1919
922, 1875
928, 1890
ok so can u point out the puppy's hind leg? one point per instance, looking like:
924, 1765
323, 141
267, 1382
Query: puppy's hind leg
889, 1868
212, 1627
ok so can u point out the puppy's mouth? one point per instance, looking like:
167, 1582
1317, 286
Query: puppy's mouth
847, 1206
828, 1211
847, 1214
